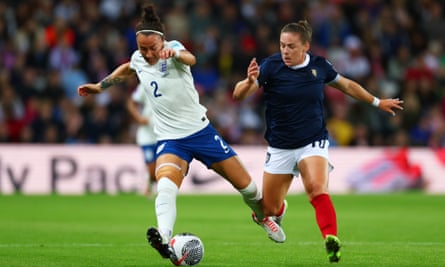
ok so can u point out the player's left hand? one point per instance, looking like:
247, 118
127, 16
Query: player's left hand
391, 104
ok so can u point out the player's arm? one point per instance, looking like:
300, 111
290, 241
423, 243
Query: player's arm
186, 57
356, 91
132, 107
249, 85
182, 55
119, 75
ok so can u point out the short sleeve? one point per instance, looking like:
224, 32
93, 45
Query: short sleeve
331, 73
176, 45
264, 72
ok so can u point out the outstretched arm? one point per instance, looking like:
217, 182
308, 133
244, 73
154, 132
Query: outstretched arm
249, 85
356, 91
119, 75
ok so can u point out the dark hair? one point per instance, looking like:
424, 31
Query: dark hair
149, 19
301, 27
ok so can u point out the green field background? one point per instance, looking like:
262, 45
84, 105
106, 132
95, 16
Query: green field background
403, 229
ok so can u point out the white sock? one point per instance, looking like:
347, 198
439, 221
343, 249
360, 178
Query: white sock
252, 196
165, 205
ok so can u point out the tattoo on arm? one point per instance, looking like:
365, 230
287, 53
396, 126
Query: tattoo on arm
109, 81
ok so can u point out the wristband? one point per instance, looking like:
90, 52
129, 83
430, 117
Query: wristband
376, 102
177, 53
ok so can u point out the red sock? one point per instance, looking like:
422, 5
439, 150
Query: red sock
325, 215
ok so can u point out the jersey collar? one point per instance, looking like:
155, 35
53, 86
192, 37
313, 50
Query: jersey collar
302, 65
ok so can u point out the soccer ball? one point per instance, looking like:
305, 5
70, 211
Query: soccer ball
187, 248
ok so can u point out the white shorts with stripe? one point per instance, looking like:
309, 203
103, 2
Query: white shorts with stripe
285, 161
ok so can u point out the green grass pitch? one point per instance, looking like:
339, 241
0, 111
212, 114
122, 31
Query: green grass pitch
404, 229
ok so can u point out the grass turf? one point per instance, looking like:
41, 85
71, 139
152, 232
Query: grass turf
102, 230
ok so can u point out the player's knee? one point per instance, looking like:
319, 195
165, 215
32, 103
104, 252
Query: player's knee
315, 189
172, 171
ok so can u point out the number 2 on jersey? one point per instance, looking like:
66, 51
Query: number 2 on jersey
154, 84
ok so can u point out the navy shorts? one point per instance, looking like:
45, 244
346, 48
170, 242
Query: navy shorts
206, 146
149, 153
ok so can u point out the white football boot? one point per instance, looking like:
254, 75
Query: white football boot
273, 229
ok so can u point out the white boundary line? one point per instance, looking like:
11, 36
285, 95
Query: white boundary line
73, 245
55, 245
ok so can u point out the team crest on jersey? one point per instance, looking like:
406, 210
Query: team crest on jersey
314, 72
163, 67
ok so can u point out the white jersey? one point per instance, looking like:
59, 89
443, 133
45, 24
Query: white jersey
172, 96
145, 133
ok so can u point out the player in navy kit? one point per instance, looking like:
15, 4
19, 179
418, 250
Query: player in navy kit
293, 82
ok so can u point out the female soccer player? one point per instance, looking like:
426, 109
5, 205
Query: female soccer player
182, 128
293, 83
145, 136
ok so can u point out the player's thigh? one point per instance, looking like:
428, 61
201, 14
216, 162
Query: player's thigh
233, 171
171, 166
275, 188
314, 172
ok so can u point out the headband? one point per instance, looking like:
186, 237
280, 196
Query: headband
150, 31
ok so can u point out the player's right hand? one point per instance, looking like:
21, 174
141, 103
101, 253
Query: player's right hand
87, 89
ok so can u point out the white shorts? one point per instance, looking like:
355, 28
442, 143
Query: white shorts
285, 161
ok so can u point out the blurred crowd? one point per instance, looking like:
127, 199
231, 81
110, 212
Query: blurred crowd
48, 47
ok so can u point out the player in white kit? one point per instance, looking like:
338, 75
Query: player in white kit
145, 136
182, 128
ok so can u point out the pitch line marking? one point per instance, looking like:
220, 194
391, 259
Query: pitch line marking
352, 243
309, 243
55, 245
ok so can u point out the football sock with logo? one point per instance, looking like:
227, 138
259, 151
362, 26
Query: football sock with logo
165, 205
252, 197
325, 215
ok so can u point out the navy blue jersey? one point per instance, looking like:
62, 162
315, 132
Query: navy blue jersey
294, 101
